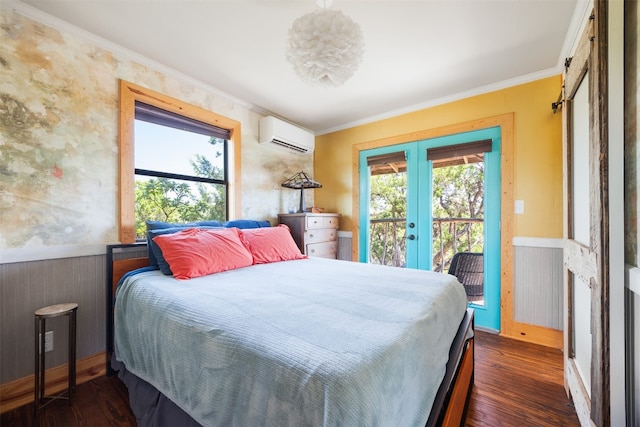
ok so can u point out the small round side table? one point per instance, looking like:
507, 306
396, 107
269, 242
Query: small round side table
67, 309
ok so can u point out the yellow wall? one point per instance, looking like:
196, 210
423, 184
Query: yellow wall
537, 151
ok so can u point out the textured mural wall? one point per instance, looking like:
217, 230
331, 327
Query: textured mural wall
58, 137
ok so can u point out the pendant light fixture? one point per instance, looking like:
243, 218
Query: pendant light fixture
325, 47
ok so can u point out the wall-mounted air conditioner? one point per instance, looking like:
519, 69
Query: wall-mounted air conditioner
283, 134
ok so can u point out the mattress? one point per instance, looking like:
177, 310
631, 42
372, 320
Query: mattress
310, 342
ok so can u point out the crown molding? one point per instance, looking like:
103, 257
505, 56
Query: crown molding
576, 27
481, 90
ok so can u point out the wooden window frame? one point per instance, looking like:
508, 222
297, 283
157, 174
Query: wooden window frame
129, 94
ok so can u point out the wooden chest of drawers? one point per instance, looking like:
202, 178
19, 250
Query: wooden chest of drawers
315, 234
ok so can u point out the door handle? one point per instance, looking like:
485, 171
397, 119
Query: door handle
411, 237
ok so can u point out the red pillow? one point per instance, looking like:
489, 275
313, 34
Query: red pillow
271, 244
196, 252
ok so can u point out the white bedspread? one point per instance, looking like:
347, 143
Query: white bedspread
311, 342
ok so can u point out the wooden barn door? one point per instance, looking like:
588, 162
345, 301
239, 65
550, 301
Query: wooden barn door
586, 226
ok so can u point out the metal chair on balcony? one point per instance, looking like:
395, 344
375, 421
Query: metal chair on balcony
468, 267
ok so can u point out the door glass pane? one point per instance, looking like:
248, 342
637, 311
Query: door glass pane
581, 319
458, 221
580, 164
387, 214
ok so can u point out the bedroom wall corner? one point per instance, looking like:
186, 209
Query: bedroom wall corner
535, 165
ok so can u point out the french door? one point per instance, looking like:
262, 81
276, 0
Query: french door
411, 215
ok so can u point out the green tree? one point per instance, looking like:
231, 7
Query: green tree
458, 192
169, 200
160, 199
203, 167
388, 202
211, 202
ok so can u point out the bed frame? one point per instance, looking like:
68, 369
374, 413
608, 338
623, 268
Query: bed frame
451, 401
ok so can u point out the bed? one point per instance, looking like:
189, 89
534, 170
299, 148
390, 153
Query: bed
290, 342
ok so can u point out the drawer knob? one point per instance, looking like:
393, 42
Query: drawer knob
311, 235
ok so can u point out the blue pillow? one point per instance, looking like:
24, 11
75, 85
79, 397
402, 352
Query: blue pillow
162, 263
247, 223
160, 225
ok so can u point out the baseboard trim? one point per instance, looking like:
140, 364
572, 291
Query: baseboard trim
535, 334
20, 392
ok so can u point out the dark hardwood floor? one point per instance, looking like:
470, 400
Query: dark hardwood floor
516, 384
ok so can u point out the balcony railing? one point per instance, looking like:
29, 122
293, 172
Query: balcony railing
450, 235
387, 242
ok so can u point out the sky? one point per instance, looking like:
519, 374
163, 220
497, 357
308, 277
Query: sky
153, 142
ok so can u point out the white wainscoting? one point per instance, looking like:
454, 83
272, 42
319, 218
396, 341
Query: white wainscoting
26, 286
537, 287
12, 255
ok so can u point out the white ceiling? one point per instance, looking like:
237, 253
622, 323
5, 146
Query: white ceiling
418, 53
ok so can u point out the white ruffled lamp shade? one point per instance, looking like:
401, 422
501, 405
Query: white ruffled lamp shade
325, 47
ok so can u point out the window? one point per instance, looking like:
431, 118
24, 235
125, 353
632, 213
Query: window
200, 180
180, 168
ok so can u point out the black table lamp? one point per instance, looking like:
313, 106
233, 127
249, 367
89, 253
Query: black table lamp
301, 180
